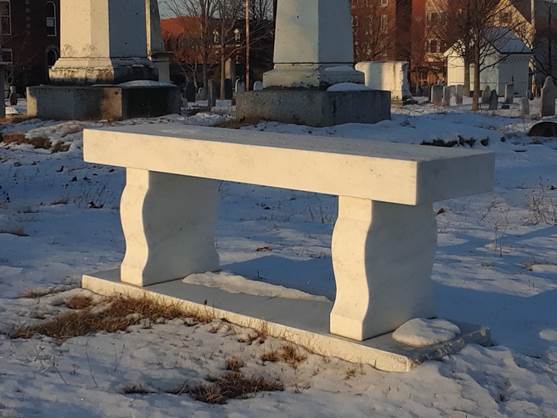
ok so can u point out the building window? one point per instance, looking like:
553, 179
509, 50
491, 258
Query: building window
237, 36
5, 18
6, 56
51, 18
384, 3
384, 23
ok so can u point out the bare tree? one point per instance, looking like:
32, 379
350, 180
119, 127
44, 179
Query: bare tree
204, 11
228, 13
476, 29
372, 32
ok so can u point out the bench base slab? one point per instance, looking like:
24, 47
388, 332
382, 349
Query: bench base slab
110, 102
301, 322
314, 107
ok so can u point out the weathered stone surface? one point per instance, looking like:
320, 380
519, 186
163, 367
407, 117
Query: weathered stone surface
486, 95
437, 95
509, 93
314, 107
313, 45
524, 107
12, 96
549, 95
190, 91
387, 75
103, 41
459, 94
544, 129
447, 96
493, 100
240, 87
168, 208
101, 102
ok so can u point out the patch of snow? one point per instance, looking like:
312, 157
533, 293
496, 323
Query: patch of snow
237, 284
146, 83
425, 332
348, 87
544, 268
340, 68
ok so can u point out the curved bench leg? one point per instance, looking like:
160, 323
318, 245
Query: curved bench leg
382, 258
169, 226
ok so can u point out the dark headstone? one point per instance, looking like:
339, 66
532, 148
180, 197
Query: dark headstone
228, 89
190, 91
493, 100
544, 129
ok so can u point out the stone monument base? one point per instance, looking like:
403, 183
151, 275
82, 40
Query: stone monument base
314, 107
302, 322
102, 102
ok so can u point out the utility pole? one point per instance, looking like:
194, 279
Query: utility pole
248, 41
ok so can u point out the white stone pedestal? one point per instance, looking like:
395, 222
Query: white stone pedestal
313, 45
102, 41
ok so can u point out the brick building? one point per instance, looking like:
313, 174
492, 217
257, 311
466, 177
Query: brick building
382, 29
29, 40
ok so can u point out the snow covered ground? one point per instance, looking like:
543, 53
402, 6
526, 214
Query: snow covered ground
496, 265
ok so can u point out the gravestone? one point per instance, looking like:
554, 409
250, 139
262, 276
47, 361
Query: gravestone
2, 93
190, 91
240, 87
544, 129
214, 92
201, 94
102, 66
314, 50
257, 86
437, 95
447, 96
13, 96
426, 91
493, 100
509, 93
524, 107
459, 94
387, 75
549, 94
486, 95
228, 89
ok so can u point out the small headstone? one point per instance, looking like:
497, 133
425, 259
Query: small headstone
493, 100
426, 91
524, 107
13, 96
446, 96
228, 89
544, 129
509, 93
486, 95
213, 92
190, 91
549, 94
459, 94
257, 86
240, 86
3, 101
201, 93
437, 95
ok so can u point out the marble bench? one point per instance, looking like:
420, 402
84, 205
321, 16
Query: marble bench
384, 239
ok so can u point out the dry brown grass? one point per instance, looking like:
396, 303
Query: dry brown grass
117, 314
232, 385
17, 231
234, 364
288, 353
237, 124
20, 138
78, 302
